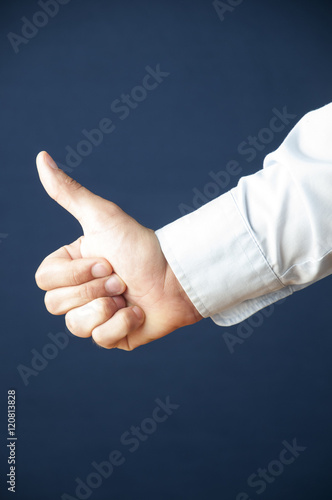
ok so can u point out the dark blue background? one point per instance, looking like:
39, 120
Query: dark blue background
235, 409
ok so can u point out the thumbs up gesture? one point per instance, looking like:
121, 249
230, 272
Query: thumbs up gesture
113, 283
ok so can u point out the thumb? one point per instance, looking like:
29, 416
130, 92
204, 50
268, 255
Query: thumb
67, 192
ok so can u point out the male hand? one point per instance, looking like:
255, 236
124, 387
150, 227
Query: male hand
152, 303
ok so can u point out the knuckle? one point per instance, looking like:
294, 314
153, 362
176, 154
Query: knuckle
115, 209
50, 303
97, 337
102, 338
70, 322
77, 324
76, 276
99, 306
40, 278
72, 183
87, 292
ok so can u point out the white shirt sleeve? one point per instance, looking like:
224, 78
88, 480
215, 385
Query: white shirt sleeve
266, 238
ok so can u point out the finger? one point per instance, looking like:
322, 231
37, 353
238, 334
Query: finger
72, 251
62, 300
68, 193
57, 272
66, 267
83, 320
124, 321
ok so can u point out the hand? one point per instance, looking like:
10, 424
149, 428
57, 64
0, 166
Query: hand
154, 302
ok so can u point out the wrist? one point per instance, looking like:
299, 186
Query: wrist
189, 314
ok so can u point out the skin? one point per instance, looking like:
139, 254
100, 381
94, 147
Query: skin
132, 297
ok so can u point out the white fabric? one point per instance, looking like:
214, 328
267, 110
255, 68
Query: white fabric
264, 239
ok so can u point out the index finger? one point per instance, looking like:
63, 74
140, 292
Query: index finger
60, 269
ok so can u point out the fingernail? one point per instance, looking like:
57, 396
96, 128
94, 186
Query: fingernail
51, 163
114, 284
139, 313
100, 271
119, 301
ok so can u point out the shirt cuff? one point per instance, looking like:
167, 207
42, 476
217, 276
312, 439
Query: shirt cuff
219, 264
